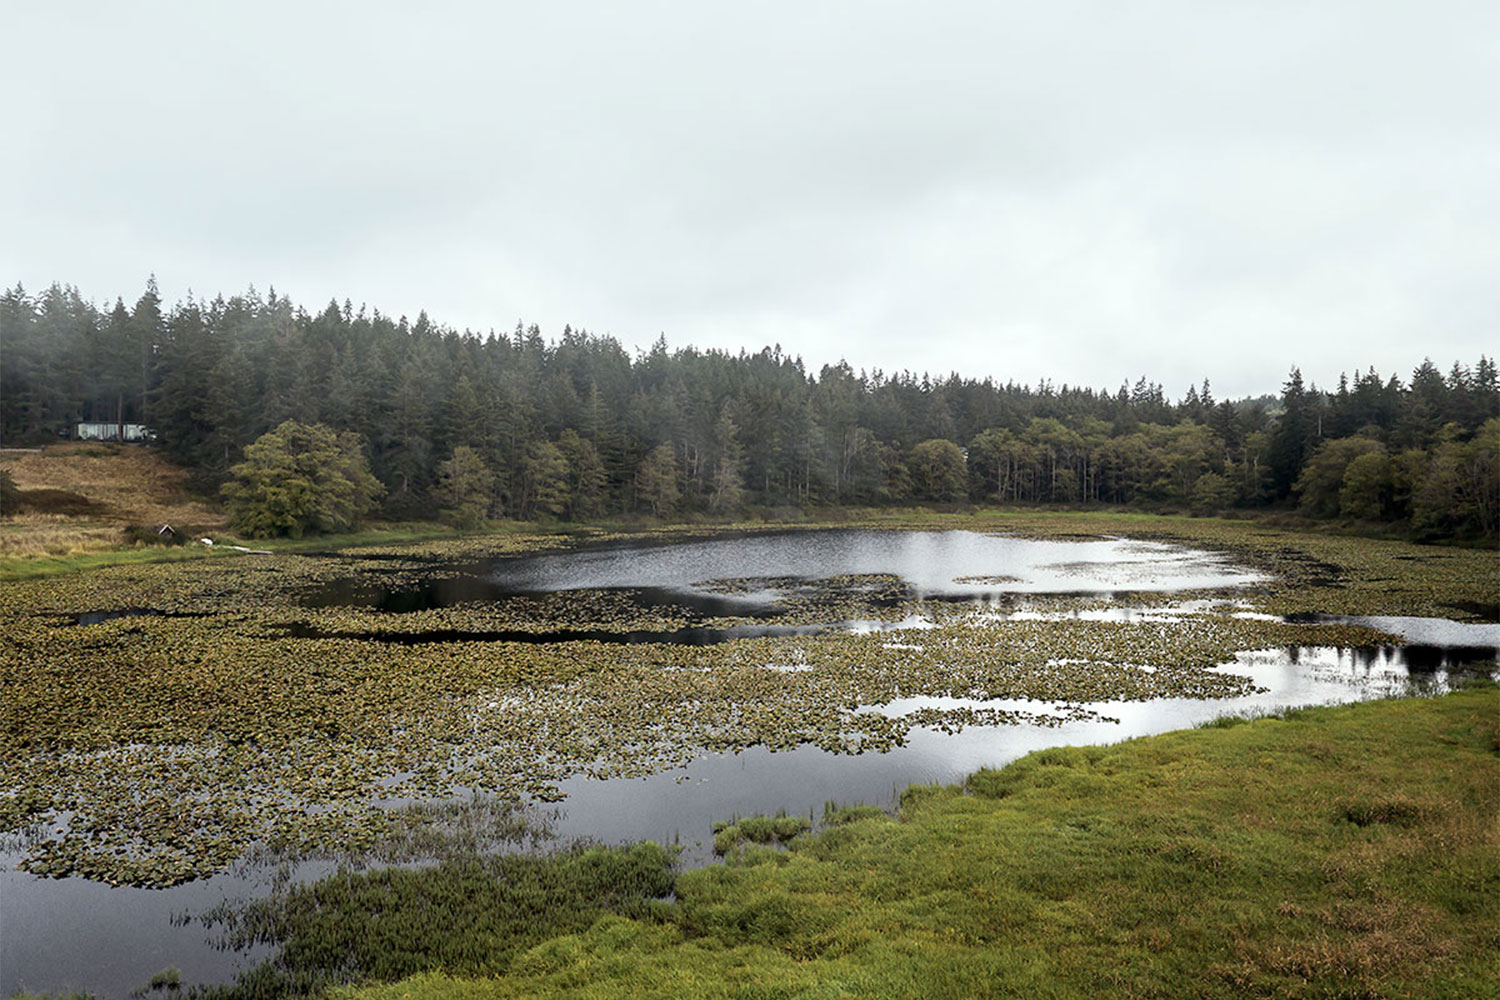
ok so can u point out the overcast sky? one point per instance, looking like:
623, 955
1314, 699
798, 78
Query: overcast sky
1082, 192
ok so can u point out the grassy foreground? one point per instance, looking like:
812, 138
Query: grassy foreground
1337, 852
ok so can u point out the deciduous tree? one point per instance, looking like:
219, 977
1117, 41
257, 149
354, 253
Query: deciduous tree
300, 478
937, 470
656, 481
465, 488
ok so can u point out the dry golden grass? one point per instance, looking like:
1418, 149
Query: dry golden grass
112, 486
29, 534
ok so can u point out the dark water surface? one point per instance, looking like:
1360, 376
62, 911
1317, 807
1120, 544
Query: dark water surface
62, 935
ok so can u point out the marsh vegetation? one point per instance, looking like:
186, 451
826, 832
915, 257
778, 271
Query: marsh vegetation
219, 707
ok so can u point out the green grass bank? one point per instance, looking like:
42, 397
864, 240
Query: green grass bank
1337, 852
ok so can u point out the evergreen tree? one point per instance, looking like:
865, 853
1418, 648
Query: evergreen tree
406, 450
1425, 412
145, 333
1289, 441
586, 478
728, 490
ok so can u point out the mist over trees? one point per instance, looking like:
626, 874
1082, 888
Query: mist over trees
523, 426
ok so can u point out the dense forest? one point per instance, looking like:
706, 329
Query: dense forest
576, 427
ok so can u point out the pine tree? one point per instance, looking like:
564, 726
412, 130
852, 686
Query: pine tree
586, 476
1289, 442
727, 492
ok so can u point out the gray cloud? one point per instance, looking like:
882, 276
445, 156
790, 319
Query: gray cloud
1083, 192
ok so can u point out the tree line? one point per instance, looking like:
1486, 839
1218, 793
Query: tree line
522, 426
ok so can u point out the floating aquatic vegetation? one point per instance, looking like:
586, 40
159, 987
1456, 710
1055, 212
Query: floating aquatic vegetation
154, 749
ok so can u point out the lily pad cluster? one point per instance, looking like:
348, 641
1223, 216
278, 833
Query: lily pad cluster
150, 750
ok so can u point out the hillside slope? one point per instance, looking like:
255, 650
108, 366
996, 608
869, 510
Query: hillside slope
84, 496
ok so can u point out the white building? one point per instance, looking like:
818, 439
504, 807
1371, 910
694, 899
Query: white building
113, 432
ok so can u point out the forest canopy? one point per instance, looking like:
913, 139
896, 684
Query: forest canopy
521, 426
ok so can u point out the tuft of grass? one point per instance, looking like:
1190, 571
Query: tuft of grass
836, 815
1397, 810
1231, 719
168, 980
778, 829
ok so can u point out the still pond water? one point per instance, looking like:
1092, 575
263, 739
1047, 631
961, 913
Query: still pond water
69, 934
